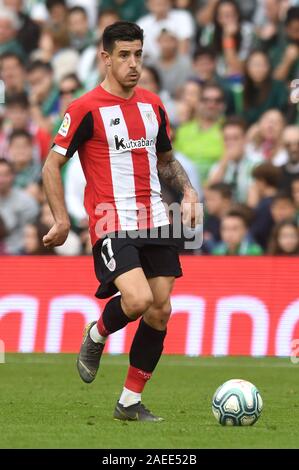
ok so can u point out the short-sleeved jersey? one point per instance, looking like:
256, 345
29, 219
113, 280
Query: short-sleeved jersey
117, 140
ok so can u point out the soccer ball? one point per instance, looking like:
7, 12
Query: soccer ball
237, 403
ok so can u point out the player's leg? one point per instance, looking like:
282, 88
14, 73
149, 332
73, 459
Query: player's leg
146, 350
135, 299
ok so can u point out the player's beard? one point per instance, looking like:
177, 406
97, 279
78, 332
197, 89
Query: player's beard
130, 82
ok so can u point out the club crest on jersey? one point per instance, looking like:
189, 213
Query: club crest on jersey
64, 128
122, 144
150, 117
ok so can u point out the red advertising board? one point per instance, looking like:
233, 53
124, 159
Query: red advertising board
221, 306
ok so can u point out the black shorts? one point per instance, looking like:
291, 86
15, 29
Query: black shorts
117, 253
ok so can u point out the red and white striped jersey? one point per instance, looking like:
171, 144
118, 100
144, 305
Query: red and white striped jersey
117, 140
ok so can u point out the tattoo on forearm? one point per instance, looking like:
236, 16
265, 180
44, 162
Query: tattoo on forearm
174, 175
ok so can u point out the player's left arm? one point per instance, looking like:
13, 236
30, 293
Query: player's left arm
174, 174
176, 177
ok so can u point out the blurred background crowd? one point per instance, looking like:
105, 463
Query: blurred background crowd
226, 72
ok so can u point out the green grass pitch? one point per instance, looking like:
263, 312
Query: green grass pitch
44, 404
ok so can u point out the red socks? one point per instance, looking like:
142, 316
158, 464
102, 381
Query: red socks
136, 379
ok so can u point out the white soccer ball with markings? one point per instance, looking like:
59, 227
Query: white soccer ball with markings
237, 403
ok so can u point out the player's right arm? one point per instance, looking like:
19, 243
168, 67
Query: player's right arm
53, 186
75, 130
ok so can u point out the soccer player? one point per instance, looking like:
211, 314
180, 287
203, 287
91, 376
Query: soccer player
121, 133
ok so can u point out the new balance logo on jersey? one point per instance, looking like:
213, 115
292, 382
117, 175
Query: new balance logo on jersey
114, 122
132, 144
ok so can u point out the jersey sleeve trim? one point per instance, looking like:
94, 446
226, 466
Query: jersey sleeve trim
59, 149
163, 141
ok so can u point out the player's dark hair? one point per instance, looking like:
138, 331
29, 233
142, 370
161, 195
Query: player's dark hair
292, 15
121, 31
39, 64
18, 99
268, 173
222, 188
20, 133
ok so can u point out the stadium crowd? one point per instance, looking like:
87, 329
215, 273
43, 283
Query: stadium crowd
226, 72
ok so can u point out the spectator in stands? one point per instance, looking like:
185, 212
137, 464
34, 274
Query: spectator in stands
127, 10
183, 113
17, 117
13, 73
283, 208
9, 26
70, 88
17, 208
161, 15
90, 68
266, 182
234, 236
80, 35
44, 94
268, 21
295, 196
201, 140
217, 202
150, 80
51, 41
206, 10
230, 37
284, 240
58, 13
54, 47
189, 95
260, 91
33, 240
106, 17
20, 153
204, 64
290, 170
284, 54
235, 167
265, 138
174, 68
204, 67
29, 31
